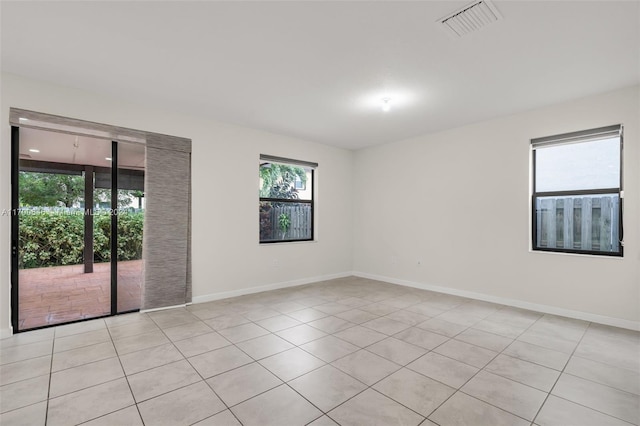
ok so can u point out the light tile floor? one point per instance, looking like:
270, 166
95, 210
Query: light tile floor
349, 351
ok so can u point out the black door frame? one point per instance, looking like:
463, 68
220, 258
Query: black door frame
15, 235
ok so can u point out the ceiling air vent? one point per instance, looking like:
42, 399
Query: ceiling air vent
470, 18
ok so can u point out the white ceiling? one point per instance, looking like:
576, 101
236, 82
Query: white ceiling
70, 149
317, 70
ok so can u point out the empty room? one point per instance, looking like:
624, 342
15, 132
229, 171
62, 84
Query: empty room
289, 213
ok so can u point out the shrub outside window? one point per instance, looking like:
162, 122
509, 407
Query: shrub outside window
577, 192
286, 207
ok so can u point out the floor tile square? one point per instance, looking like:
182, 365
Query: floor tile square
537, 355
277, 407
264, 346
485, 340
605, 399
373, 409
443, 369
329, 348
396, 350
84, 376
260, 314
200, 344
79, 327
220, 360
307, 315
331, 324
360, 336
378, 309
286, 307
226, 321
172, 317
521, 400
464, 352
524, 372
415, 391
22, 370
619, 378
245, 382
26, 351
422, 338
88, 404
84, 355
133, 329
503, 328
79, 340
332, 308
357, 316
301, 334
242, 332
151, 383
23, 393
183, 406
34, 336
386, 325
146, 359
408, 317
185, 331
32, 415
290, 364
143, 341
443, 327
278, 323
464, 410
366, 366
327, 387
560, 412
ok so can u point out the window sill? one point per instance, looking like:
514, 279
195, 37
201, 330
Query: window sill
279, 243
583, 255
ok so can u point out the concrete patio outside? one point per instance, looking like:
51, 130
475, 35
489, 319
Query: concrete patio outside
62, 294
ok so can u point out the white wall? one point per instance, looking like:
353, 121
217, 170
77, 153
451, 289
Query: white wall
226, 253
459, 202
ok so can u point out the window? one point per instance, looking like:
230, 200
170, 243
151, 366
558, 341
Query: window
577, 192
286, 199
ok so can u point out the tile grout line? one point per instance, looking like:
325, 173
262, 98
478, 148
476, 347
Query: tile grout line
584, 333
459, 389
126, 377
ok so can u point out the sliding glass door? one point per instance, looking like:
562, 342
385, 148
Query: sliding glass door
77, 227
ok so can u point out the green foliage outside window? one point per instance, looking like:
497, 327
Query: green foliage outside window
52, 238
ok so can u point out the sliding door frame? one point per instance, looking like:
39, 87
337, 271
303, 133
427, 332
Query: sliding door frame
15, 224
15, 233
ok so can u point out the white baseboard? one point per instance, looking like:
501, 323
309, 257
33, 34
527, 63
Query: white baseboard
6, 332
233, 293
585, 316
162, 309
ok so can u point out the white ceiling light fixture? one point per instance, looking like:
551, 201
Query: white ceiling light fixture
386, 104
470, 18
34, 150
108, 158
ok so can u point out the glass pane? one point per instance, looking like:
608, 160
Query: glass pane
586, 165
285, 181
131, 204
588, 222
58, 281
285, 221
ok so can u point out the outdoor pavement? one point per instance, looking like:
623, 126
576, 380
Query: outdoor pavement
61, 294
